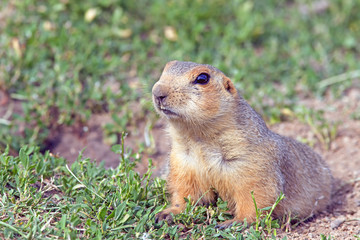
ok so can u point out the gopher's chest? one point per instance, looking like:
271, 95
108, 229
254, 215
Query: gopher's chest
206, 167
197, 155
210, 163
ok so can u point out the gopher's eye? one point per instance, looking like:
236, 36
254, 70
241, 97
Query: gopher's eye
203, 78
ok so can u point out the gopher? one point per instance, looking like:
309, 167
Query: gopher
222, 146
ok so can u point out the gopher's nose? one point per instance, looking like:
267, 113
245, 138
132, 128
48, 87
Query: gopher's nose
159, 94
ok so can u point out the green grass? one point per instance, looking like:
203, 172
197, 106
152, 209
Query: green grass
64, 68
43, 197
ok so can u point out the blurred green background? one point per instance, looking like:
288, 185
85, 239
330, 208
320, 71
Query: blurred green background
62, 61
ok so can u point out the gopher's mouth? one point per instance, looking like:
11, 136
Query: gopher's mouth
167, 111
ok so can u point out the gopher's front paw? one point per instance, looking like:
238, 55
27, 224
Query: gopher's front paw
164, 215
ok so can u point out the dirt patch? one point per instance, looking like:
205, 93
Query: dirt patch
67, 142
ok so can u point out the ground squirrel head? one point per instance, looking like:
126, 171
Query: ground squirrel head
193, 92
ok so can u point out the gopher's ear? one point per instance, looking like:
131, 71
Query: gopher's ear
229, 86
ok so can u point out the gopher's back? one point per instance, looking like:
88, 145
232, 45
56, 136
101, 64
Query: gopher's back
307, 180
301, 174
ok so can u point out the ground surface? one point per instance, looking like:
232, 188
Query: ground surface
67, 68
343, 157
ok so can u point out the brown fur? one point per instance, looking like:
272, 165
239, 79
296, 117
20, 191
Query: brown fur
219, 142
